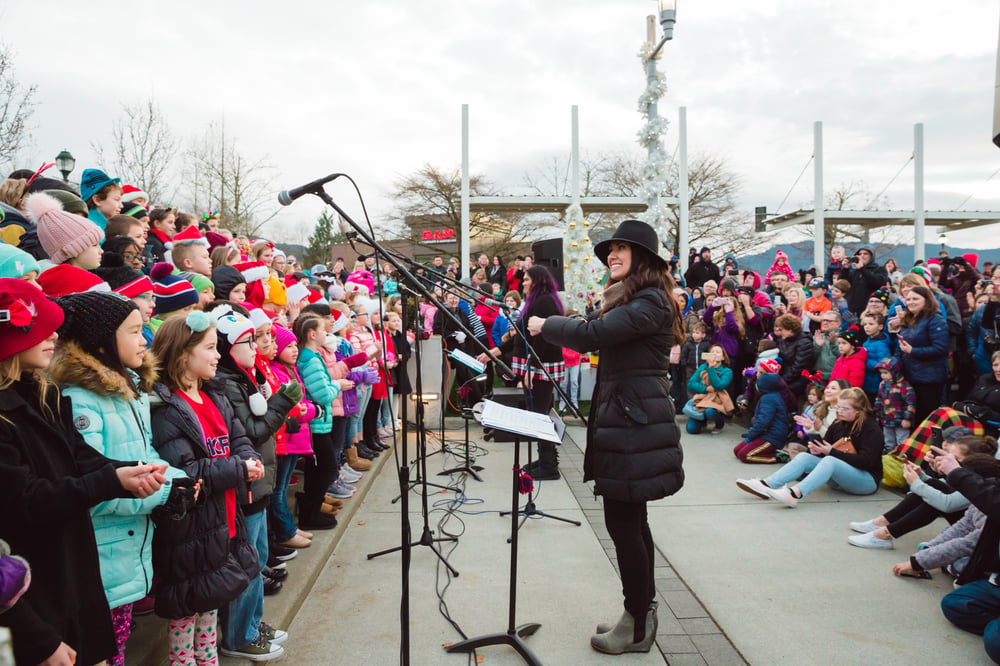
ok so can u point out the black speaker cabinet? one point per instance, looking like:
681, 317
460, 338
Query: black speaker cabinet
549, 253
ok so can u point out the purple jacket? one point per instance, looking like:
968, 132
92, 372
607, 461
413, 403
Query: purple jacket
728, 336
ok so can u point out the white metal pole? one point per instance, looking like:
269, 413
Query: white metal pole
682, 193
818, 221
464, 249
576, 154
919, 251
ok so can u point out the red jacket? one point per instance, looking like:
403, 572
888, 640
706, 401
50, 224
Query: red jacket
851, 368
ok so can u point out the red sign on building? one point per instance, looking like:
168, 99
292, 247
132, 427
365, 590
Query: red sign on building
438, 235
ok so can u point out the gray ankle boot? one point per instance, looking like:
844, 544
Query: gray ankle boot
604, 627
621, 638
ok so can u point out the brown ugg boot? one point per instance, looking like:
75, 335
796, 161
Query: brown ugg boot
357, 463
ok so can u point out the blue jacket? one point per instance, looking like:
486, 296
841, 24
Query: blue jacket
878, 350
319, 388
770, 417
113, 418
928, 362
975, 332
97, 217
500, 327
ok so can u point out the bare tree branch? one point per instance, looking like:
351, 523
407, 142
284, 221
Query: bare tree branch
16, 108
143, 149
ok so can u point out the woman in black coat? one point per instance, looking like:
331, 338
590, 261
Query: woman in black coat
49, 478
633, 445
541, 300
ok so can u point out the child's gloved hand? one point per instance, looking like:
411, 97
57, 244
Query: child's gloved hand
292, 390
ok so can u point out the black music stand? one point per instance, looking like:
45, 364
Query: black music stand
495, 415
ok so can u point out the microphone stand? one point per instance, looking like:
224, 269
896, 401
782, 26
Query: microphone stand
467, 415
426, 538
530, 510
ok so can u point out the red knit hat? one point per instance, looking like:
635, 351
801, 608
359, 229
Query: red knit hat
138, 286
972, 258
65, 279
27, 317
770, 365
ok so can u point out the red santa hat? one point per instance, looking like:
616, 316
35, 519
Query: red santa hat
253, 271
189, 235
131, 193
770, 365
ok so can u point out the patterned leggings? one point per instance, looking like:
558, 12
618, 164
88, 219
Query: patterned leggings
192, 640
121, 618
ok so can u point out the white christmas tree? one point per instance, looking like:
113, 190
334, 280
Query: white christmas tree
582, 271
654, 174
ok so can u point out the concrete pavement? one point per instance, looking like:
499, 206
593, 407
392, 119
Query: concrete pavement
740, 580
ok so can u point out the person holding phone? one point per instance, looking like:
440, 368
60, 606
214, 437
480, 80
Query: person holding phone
633, 445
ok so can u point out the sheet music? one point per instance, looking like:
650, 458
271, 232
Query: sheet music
468, 360
519, 421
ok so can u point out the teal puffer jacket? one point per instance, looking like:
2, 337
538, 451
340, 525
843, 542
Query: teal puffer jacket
113, 418
319, 388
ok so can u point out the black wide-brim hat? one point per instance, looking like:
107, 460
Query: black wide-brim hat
637, 234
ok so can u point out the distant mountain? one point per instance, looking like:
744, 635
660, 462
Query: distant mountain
800, 255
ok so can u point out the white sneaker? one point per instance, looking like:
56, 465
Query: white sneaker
869, 540
349, 475
755, 487
785, 496
865, 527
385, 431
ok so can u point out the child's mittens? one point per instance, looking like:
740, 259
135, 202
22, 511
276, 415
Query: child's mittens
291, 390
15, 577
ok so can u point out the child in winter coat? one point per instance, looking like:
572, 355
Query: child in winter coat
314, 513
102, 363
692, 350
49, 480
850, 365
767, 435
895, 405
204, 560
877, 347
340, 362
261, 413
816, 304
709, 384
780, 264
298, 442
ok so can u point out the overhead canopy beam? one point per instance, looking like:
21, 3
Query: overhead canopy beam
518, 204
950, 219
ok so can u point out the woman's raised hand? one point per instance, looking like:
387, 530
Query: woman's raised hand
142, 480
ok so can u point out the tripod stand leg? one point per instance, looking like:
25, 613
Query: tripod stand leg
511, 639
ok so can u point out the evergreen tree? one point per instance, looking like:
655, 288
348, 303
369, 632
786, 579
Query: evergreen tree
321, 241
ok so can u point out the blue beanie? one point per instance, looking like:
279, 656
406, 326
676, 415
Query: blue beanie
93, 180
16, 263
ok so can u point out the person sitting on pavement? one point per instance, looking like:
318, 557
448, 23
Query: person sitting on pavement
775, 405
795, 350
848, 458
929, 497
709, 388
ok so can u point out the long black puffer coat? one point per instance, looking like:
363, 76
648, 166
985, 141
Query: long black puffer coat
796, 355
198, 566
633, 444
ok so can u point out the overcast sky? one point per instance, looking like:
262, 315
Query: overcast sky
375, 88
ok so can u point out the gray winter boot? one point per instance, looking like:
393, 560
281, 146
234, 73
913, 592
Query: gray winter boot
604, 627
621, 638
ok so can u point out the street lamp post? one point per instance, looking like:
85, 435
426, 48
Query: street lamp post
943, 240
655, 88
65, 162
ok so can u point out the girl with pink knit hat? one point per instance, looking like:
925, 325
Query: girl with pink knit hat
66, 238
780, 264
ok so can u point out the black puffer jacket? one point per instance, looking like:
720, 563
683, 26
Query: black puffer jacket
633, 445
198, 566
259, 428
983, 402
49, 478
796, 355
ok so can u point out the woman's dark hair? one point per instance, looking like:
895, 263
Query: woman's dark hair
644, 273
542, 284
930, 306
982, 464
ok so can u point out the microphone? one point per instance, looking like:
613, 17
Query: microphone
288, 196
496, 304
